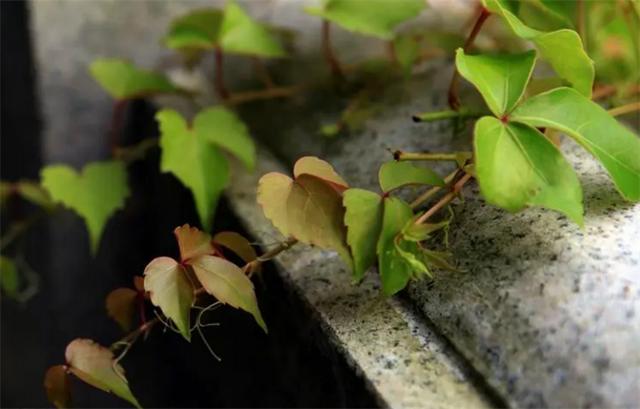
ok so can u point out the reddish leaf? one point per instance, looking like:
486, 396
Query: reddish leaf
192, 242
121, 306
56, 383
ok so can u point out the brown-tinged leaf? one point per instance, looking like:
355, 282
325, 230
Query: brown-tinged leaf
237, 243
273, 191
138, 283
192, 242
94, 364
121, 306
56, 383
170, 290
228, 283
310, 165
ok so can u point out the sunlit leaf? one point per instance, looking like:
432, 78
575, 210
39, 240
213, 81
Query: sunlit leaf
192, 242
517, 167
95, 193
363, 218
167, 283
395, 272
228, 283
121, 306
9, 281
562, 48
501, 78
241, 34
94, 364
615, 146
123, 80
310, 165
393, 175
372, 17
237, 243
56, 384
198, 29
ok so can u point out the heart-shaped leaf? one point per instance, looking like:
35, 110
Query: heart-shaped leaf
123, 80
9, 281
121, 306
237, 243
228, 283
372, 17
615, 146
310, 165
395, 272
240, 34
393, 175
95, 194
562, 48
192, 242
198, 29
167, 283
537, 175
56, 383
363, 218
94, 364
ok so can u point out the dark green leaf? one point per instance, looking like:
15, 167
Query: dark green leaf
393, 175
197, 30
242, 35
395, 271
363, 218
123, 80
9, 280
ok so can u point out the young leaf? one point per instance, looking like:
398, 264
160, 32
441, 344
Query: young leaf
194, 160
35, 193
562, 48
123, 80
372, 17
228, 283
501, 79
237, 244
198, 29
121, 306
95, 194
8, 277
517, 166
192, 242
94, 364
241, 34
615, 146
393, 175
363, 218
170, 290
310, 165
395, 272
56, 383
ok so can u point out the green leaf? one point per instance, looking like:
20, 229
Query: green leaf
363, 218
192, 242
241, 34
228, 283
194, 160
562, 49
501, 79
395, 272
123, 80
407, 50
547, 15
35, 193
9, 281
372, 17
517, 166
56, 383
615, 146
170, 290
198, 29
223, 128
420, 232
94, 364
411, 253
121, 306
393, 175
95, 194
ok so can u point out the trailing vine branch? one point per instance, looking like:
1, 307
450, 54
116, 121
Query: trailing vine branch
221, 90
446, 199
434, 190
625, 109
327, 48
446, 114
428, 156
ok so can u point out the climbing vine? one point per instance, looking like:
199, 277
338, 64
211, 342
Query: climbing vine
587, 50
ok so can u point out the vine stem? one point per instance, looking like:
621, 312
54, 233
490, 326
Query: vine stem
419, 156
446, 199
221, 90
625, 109
275, 92
327, 48
431, 192
446, 114
453, 99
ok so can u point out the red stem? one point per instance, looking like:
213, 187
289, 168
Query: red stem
454, 101
329, 56
219, 78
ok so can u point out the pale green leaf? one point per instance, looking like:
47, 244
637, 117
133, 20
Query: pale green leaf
501, 79
198, 29
194, 160
273, 192
377, 18
363, 218
56, 384
615, 146
169, 287
228, 283
395, 272
562, 48
411, 253
123, 80
121, 306
237, 243
192, 242
420, 232
9, 281
95, 193
94, 364
517, 166
241, 34
393, 175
